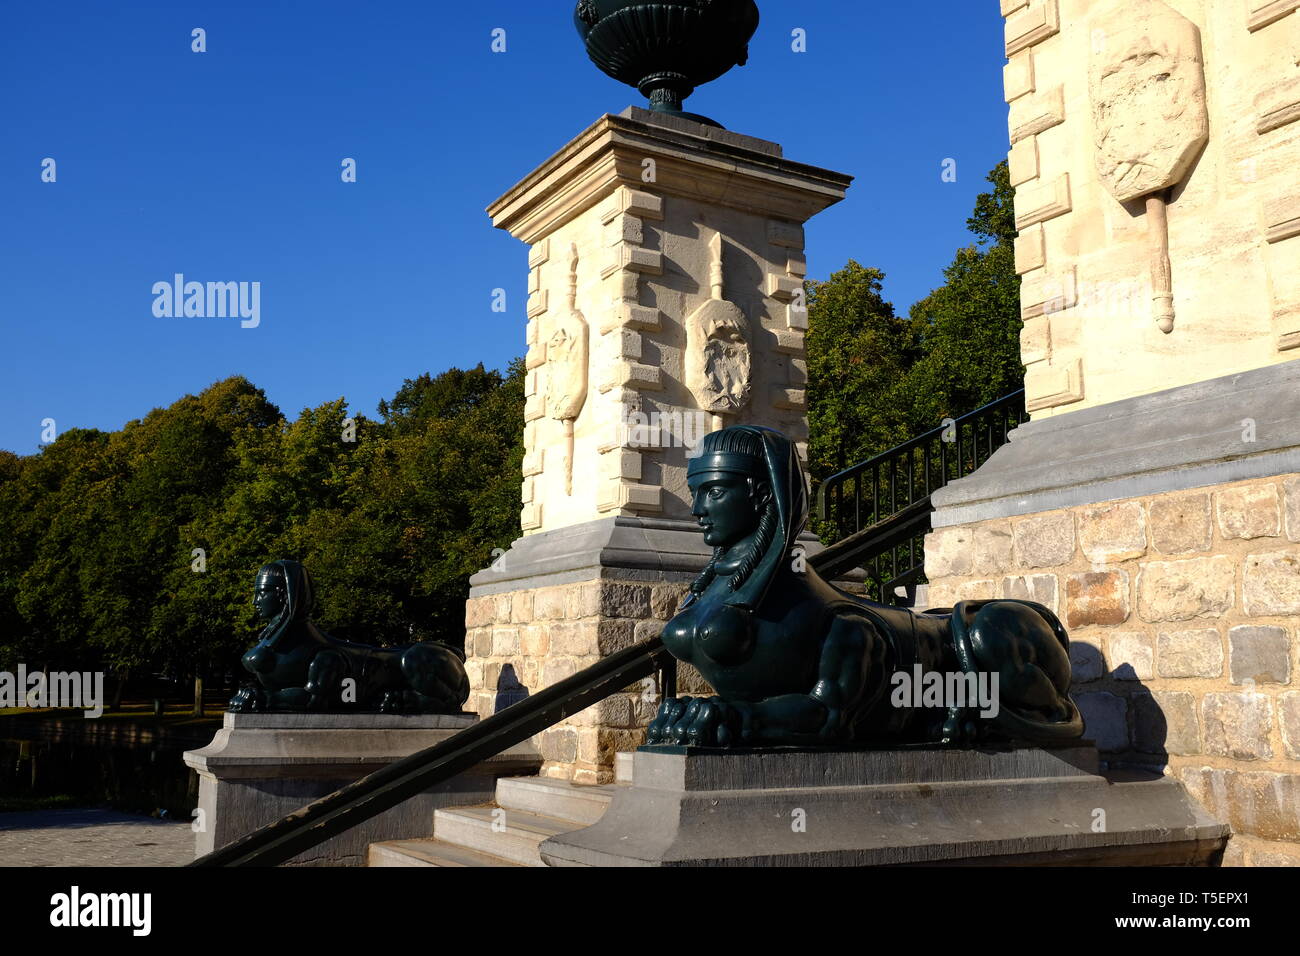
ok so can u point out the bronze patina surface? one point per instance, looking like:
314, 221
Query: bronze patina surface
667, 48
797, 661
299, 667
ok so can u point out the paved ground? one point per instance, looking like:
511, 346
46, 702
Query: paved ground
92, 838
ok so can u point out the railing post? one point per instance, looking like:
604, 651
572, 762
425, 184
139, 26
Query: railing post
668, 679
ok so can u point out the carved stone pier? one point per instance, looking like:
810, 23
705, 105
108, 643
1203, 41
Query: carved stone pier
666, 271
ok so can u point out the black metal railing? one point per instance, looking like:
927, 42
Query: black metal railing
877, 512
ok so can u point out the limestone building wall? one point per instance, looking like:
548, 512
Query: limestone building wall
1182, 609
1221, 112
547, 634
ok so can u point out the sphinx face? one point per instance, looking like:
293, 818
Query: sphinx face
268, 596
725, 507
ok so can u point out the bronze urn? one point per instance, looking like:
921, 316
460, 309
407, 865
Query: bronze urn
667, 48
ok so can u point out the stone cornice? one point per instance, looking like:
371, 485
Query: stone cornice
691, 161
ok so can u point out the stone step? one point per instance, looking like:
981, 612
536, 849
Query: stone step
561, 799
517, 842
429, 853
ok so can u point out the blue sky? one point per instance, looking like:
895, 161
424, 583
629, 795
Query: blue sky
225, 166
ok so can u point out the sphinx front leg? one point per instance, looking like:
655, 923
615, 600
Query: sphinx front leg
249, 699
324, 688
671, 711
851, 677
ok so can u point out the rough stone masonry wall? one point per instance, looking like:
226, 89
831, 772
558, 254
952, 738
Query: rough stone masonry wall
550, 633
1183, 611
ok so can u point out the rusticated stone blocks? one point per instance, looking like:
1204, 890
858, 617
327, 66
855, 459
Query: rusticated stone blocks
1180, 524
1197, 652
1270, 583
1184, 616
1044, 541
522, 641
1183, 590
1096, 597
1259, 654
1249, 511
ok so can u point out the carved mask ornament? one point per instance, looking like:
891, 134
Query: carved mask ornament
718, 354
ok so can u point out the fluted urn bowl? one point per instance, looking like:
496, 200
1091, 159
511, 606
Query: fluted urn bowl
667, 49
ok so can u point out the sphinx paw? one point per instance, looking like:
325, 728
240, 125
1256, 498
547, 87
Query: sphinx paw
670, 712
246, 701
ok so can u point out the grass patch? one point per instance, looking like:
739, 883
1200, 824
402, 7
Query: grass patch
62, 801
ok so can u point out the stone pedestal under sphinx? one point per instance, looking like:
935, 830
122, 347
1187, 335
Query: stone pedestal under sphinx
905, 807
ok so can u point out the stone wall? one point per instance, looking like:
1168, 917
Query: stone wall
1183, 609
543, 635
1233, 235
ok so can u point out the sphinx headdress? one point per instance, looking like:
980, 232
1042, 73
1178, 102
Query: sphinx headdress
762, 454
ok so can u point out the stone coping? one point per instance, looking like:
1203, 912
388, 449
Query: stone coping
707, 768
647, 548
348, 721
694, 162
1226, 429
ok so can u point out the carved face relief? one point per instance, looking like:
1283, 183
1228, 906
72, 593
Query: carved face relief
1146, 81
718, 357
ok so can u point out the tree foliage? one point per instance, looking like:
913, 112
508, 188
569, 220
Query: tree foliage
875, 380
135, 550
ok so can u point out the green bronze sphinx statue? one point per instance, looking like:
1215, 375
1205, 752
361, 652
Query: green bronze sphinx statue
299, 667
797, 661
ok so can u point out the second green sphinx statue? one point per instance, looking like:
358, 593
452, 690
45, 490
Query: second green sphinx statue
797, 661
301, 668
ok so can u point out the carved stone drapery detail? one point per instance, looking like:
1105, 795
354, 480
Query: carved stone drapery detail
566, 369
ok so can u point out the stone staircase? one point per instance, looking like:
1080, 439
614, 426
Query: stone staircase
527, 811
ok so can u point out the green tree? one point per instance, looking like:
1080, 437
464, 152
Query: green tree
875, 380
858, 354
969, 328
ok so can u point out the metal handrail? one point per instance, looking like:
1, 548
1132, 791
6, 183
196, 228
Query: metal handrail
894, 483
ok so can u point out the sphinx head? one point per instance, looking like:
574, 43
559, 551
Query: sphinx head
269, 591
283, 590
729, 487
733, 499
